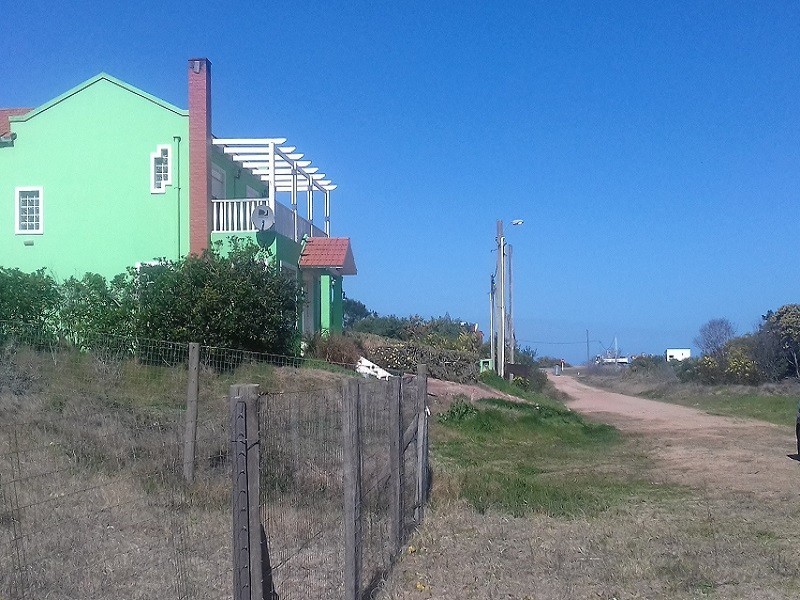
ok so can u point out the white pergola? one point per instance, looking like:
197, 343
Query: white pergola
282, 168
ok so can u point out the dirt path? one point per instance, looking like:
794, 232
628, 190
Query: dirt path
717, 454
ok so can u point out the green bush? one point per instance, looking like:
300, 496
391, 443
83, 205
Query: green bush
91, 306
709, 370
459, 411
534, 383
231, 301
740, 368
238, 300
647, 363
32, 299
686, 370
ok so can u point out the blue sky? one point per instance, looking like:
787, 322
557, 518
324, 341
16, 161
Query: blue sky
651, 148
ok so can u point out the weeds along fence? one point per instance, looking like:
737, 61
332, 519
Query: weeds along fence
93, 503
117, 461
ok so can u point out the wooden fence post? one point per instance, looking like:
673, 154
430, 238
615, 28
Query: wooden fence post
294, 414
192, 394
422, 443
351, 431
396, 464
246, 451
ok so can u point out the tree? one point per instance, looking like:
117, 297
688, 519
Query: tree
354, 311
786, 323
713, 337
527, 356
767, 350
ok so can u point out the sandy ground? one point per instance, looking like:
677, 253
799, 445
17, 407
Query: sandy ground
442, 392
722, 454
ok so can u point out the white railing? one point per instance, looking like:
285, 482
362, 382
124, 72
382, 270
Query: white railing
232, 215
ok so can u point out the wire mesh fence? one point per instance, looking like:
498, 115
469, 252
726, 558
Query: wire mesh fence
301, 491
304, 481
94, 500
92, 504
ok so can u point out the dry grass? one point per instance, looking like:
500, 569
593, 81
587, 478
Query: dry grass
720, 548
92, 504
701, 542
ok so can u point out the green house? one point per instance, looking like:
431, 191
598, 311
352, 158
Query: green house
106, 177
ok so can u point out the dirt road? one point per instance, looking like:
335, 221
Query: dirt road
718, 454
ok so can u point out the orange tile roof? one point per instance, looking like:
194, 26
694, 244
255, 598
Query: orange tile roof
5, 113
328, 253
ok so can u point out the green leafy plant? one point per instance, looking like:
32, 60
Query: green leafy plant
31, 299
459, 411
91, 306
234, 300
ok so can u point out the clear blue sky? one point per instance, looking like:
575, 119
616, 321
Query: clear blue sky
651, 148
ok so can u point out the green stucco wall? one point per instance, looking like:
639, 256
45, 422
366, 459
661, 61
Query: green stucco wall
237, 179
330, 303
280, 248
90, 152
337, 307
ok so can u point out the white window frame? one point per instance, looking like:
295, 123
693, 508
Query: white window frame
157, 155
31, 188
223, 179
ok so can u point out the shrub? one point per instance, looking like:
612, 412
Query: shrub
647, 363
237, 300
338, 349
450, 365
709, 370
686, 370
29, 298
741, 368
91, 306
459, 411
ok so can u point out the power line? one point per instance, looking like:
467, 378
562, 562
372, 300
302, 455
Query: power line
582, 343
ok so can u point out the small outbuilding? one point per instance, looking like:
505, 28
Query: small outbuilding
677, 354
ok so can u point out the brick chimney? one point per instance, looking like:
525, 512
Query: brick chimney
199, 154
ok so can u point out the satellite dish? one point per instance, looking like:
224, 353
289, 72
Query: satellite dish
263, 218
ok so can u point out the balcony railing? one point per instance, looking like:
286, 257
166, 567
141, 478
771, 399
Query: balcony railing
232, 215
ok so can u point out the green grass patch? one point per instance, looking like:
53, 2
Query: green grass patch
776, 409
318, 364
536, 457
494, 380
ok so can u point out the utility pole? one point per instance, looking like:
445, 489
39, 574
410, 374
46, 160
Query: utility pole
501, 329
491, 319
588, 358
512, 334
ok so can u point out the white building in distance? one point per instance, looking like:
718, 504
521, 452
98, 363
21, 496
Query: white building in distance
677, 354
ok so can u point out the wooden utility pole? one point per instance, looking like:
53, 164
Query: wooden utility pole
501, 283
588, 358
